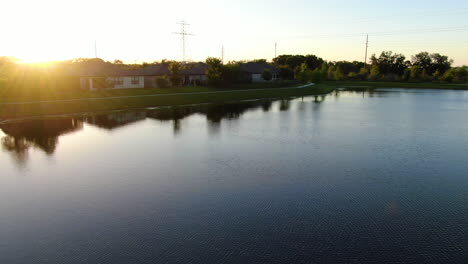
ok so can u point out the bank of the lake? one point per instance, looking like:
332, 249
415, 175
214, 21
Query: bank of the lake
140, 98
412, 85
14, 105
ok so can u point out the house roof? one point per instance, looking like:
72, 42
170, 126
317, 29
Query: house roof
257, 67
99, 69
152, 70
195, 69
95, 69
163, 69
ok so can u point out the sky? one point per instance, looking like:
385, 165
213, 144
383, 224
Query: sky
142, 30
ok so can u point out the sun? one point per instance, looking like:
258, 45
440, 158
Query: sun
35, 58
41, 55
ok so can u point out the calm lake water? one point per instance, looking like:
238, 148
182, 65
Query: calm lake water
352, 177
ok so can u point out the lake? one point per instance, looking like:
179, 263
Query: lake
351, 177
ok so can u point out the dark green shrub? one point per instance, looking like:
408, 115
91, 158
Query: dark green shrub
162, 82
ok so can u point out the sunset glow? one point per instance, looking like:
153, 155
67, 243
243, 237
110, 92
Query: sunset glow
141, 30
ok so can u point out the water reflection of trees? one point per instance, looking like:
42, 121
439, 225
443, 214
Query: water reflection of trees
44, 134
214, 113
115, 120
284, 104
41, 134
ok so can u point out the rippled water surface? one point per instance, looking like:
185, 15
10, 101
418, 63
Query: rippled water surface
352, 177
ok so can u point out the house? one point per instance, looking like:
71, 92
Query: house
194, 73
191, 74
254, 71
96, 75
150, 73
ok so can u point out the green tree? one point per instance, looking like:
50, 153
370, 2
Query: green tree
304, 74
425, 76
295, 61
214, 71
363, 73
449, 75
437, 75
374, 72
285, 72
174, 70
406, 75
231, 73
267, 75
415, 73
338, 74
313, 62
324, 70
440, 63
431, 62
460, 74
390, 63
353, 76
317, 76
162, 82
348, 66
422, 60
331, 73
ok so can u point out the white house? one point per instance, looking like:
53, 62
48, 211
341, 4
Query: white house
98, 75
94, 83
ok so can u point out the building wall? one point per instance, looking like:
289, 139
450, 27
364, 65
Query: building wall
257, 77
197, 78
89, 83
127, 82
84, 83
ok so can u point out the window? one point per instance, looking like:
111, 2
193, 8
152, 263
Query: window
118, 81
136, 80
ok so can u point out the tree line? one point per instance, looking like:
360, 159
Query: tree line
388, 66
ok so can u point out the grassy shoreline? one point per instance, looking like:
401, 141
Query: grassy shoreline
174, 99
34, 94
180, 96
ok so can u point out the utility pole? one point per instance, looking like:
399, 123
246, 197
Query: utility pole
222, 54
276, 45
95, 49
183, 32
367, 46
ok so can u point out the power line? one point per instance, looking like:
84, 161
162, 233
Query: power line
411, 15
387, 33
183, 33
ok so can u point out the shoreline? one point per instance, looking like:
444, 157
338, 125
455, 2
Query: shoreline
83, 106
115, 102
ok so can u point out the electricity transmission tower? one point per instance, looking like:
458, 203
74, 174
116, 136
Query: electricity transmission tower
183, 33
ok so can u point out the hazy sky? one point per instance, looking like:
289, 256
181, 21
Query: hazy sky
140, 30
